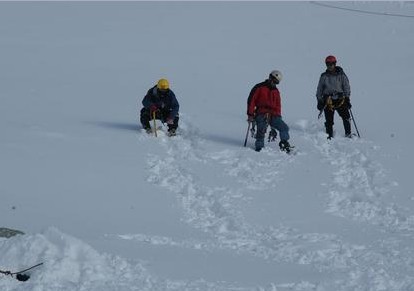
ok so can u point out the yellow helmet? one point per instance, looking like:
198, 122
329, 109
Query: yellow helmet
163, 84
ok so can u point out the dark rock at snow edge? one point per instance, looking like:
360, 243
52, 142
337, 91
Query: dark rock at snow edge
7, 232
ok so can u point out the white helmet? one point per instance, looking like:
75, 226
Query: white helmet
276, 74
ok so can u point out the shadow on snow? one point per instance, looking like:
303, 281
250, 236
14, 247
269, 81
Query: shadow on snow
117, 125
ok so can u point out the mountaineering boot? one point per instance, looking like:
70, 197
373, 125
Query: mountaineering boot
329, 130
148, 130
172, 131
347, 127
259, 145
284, 146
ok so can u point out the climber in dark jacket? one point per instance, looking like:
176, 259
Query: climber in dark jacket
160, 100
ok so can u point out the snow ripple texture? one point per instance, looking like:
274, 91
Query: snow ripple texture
354, 191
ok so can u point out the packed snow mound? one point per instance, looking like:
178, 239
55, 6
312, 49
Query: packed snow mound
69, 264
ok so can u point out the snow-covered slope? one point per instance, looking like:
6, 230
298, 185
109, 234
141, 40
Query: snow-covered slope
107, 207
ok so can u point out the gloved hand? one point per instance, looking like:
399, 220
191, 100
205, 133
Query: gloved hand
250, 118
170, 121
153, 108
320, 105
348, 102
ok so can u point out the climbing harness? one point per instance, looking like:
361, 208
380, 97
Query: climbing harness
331, 105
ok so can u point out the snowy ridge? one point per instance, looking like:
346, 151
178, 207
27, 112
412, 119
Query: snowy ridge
69, 264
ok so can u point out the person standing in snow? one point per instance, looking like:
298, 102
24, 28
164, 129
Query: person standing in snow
264, 108
160, 100
333, 93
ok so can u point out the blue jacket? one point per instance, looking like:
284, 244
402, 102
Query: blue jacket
166, 101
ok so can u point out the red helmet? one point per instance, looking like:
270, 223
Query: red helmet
330, 59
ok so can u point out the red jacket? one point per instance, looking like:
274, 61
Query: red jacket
264, 99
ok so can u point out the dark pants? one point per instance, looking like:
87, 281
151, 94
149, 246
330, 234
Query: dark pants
161, 114
276, 122
343, 113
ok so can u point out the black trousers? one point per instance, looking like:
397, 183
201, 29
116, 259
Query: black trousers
162, 114
343, 113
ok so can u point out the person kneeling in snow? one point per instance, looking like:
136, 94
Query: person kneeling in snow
264, 108
160, 100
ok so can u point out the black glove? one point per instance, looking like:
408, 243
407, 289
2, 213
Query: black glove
153, 108
321, 105
272, 135
348, 103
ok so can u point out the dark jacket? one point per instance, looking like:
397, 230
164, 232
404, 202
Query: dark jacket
166, 101
264, 98
335, 84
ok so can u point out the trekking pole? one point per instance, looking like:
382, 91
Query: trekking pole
353, 120
247, 134
155, 124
